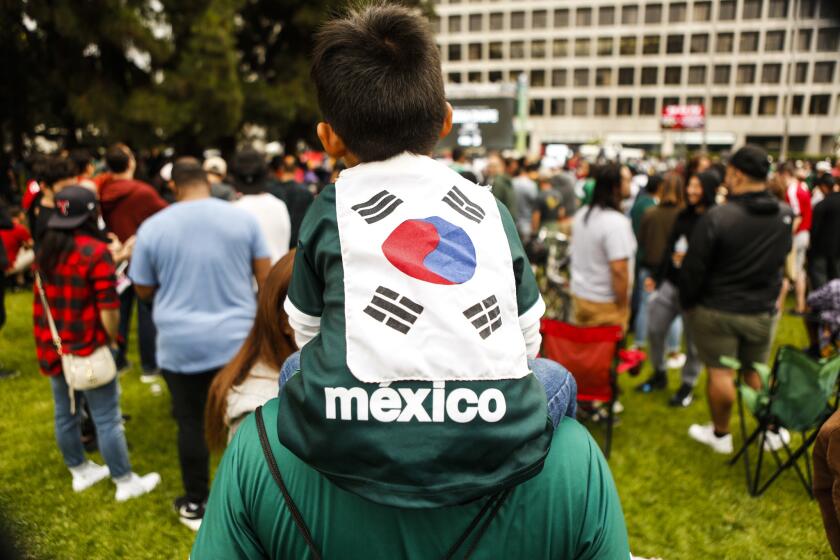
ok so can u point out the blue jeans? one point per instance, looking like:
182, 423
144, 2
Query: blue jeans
640, 327
104, 403
560, 387
146, 331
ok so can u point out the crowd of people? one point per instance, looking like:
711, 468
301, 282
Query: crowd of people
394, 301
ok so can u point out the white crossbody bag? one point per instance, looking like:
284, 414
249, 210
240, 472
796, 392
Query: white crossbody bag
80, 372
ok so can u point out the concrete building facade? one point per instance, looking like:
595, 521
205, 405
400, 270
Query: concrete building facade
602, 70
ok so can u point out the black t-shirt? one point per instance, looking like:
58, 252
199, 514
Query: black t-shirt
297, 198
548, 204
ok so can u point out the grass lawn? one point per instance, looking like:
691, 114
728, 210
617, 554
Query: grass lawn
679, 498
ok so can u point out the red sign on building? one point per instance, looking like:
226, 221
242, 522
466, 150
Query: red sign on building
683, 117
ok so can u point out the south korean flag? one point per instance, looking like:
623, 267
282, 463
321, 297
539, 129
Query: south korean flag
429, 288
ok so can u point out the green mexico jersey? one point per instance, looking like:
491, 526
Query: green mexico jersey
571, 510
416, 443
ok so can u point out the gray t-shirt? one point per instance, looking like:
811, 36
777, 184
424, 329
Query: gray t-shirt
606, 236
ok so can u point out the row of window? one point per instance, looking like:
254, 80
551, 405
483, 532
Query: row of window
740, 106
721, 74
828, 40
632, 14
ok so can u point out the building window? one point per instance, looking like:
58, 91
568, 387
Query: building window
517, 20
474, 51
513, 75
726, 10
538, 49
768, 105
677, 12
702, 11
725, 42
606, 15
496, 50
749, 41
581, 77
829, 9
673, 75
537, 108
630, 15
454, 77
827, 39
558, 77
647, 106
583, 17
722, 72
583, 47
474, 77
517, 49
719, 105
454, 24
696, 75
624, 107
797, 105
694, 100
774, 41
800, 76
807, 8
803, 40
742, 105
538, 78
497, 21
771, 73
752, 9
560, 48
558, 107
819, 105
561, 18
745, 74
603, 77
699, 43
602, 106
454, 53
539, 19
653, 13
823, 72
670, 101
650, 44
476, 22
626, 76
628, 45
579, 106
777, 9
494, 76
605, 46
674, 44
650, 75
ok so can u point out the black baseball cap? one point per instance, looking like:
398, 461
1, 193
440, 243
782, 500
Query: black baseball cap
752, 161
73, 206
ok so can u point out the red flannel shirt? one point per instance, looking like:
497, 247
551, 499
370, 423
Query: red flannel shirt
77, 290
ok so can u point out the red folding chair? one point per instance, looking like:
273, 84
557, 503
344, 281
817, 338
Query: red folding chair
594, 357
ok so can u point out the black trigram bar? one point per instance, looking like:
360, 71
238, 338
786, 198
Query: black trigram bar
397, 312
485, 316
463, 205
379, 206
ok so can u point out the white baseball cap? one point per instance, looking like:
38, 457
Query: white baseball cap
216, 166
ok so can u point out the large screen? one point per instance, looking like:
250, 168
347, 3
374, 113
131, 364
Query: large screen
485, 122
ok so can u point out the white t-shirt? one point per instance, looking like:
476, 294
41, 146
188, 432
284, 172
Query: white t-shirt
606, 236
273, 217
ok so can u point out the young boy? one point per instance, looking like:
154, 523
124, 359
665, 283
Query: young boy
411, 298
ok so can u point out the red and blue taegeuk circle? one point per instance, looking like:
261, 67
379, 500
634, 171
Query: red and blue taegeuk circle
432, 250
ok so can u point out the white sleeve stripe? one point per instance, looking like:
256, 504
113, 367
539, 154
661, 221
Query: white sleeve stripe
306, 327
534, 313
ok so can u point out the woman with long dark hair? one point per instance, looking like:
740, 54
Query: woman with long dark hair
251, 378
79, 285
603, 250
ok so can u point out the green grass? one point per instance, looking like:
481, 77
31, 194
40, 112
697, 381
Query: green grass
680, 499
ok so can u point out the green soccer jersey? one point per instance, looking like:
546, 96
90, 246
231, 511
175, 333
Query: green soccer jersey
407, 443
571, 510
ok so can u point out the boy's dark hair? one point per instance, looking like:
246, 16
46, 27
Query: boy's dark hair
379, 84
57, 168
117, 158
187, 172
81, 159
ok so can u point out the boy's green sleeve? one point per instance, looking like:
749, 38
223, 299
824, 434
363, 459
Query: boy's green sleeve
527, 291
306, 290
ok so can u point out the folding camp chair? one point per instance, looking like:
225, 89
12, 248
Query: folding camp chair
593, 357
799, 394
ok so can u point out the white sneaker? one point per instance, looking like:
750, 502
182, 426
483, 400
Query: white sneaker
150, 377
706, 435
675, 361
87, 474
774, 441
133, 485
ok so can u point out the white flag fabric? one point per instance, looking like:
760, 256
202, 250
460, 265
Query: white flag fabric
429, 288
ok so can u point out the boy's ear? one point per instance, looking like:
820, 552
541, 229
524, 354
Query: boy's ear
332, 142
447, 121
